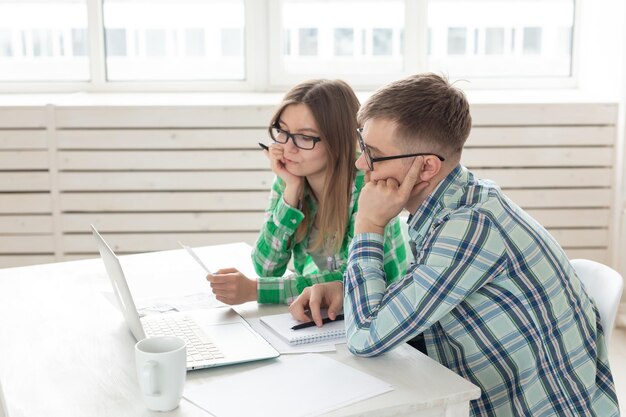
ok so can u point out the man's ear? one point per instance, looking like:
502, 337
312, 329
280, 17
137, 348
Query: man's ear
430, 168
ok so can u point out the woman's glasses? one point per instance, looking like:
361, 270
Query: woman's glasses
300, 141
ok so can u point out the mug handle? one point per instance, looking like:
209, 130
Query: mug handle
148, 375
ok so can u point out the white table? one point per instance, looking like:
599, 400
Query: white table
65, 349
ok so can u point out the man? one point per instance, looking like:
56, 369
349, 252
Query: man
491, 290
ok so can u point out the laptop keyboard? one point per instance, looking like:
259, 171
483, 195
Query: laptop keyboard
200, 348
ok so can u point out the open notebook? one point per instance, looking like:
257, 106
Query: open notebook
281, 324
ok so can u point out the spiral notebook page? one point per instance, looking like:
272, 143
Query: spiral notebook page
269, 392
281, 324
285, 347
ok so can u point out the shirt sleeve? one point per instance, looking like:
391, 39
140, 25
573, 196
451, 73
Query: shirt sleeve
284, 290
459, 256
272, 250
396, 250
275, 244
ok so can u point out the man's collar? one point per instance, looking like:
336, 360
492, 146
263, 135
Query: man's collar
446, 195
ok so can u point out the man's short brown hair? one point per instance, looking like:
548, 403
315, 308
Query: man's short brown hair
425, 107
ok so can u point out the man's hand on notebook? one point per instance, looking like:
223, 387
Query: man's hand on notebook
309, 304
232, 287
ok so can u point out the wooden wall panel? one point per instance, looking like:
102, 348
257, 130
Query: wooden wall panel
149, 117
164, 201
544, 114
26, 225
571, 157
24, 181
513, 136
149, 176
213, 160
23, 117
26, 244
162, 139
12, 261
23, 160
163, 222
165, 181
23, 139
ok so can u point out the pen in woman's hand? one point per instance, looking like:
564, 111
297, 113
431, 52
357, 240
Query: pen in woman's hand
263, 146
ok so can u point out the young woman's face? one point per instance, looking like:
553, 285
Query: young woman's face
298, 119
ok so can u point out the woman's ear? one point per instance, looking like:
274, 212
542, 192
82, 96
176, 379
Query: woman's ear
430, 168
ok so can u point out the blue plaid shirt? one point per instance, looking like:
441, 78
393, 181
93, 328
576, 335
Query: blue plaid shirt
497, 300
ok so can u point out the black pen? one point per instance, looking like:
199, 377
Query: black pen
312, 323
263, 146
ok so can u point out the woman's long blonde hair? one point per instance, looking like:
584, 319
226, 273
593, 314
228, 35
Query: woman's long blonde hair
334, 106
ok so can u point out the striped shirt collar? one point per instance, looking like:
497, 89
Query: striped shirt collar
446, 195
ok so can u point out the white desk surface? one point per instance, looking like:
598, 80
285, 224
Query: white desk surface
65, 349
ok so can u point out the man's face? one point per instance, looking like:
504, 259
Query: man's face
378, 135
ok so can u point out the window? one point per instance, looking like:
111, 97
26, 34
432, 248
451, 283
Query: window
494, 41
116, 42
532, 40
6, 45
36, 47
194, 42
156, 43
42, 42
524, 38
382, 42
80, 42
232, 42
350, 39
457, 41
174, 40
204, 45
307, 41
287, 42
344, 42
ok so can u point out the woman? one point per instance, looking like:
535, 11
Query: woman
313, 201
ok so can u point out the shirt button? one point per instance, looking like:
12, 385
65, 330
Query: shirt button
293, 221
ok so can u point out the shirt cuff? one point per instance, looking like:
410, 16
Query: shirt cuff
287, 216
270, 291
367, 248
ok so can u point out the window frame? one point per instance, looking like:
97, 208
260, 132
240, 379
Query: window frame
279, 80
263, 53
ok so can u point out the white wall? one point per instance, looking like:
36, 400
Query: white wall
602, 47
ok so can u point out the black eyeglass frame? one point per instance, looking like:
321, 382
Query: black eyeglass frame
371, 160
292, 136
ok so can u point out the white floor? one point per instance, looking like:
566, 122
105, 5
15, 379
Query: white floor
617, 360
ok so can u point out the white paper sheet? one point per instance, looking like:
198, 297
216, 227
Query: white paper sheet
269, 390
285, 348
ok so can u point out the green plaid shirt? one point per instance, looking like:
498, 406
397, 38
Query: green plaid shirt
275, 247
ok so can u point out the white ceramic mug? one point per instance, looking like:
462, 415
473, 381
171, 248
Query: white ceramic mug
161, 364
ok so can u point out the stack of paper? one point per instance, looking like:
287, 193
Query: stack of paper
289, 386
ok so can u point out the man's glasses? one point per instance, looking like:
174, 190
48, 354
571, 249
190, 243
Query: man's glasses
370, 159
301, 141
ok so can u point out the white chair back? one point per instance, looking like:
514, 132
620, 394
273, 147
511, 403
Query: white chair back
604, 285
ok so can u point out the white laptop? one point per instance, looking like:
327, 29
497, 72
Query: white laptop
215, 337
